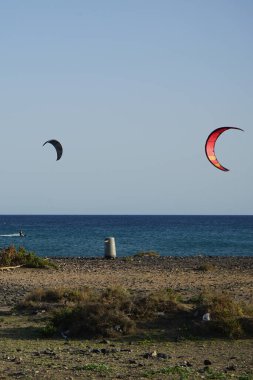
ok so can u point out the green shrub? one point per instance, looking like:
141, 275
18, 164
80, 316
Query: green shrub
113, 311
219, 305
118, 298
12, 256
93, 319
162, 301
48, 330
88, 312
225, 316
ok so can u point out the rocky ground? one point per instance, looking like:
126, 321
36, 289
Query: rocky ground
24, 354
233, 275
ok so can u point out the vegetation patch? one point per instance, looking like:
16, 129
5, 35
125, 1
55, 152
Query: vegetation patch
110, 312
227, 318
161, 302
62, 295
177, 372
147, 254
207, 267
101, 368
115, 311
49, 299
93, 319
12, 256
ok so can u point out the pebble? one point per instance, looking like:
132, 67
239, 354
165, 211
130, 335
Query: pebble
161, 355
231, 367
148, 355
96, 351
48, 352
126, 350
18, 360
114, 350
105, 351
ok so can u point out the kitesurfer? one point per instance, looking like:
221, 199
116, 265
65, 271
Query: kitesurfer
21, 233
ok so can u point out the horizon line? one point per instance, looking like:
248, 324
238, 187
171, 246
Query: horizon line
117, 214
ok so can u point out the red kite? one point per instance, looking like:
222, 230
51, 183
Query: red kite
210, 145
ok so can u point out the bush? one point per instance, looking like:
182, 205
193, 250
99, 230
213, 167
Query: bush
114, 311
247, 325
42, 298
207, 267
12, 256
219, 305
102, 313
225, 316
164, 301
117, 298
147, 254
93, 319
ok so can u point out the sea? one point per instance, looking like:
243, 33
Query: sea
168, 235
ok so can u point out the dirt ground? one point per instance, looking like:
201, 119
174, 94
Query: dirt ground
233, 275
24, 354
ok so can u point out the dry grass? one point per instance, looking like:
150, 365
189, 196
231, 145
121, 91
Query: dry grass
228, 317
206, 267
116, 311
41, 298
147, 254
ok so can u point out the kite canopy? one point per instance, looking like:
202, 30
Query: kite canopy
210, 146
58, 147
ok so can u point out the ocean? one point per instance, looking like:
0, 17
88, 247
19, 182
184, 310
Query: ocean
83, 235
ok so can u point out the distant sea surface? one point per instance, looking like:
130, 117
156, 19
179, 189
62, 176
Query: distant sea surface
83, 236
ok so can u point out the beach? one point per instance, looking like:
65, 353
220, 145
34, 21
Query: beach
188, 275
24, 355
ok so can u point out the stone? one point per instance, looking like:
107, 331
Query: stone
96, 351
231, 367
148, 355
161, 355
105, 351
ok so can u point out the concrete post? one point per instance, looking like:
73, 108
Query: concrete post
110, 248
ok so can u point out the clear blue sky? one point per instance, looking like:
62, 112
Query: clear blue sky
132, 89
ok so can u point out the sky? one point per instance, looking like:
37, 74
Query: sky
132, 90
